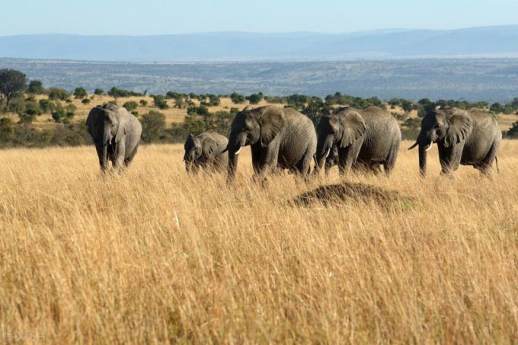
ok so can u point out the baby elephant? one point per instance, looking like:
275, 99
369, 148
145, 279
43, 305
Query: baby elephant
205, 151
116, 134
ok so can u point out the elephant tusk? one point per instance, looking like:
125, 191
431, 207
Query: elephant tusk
238, 151
428, 148
413, 146
327, 153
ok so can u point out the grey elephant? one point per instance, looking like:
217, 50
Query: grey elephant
280, 138
205, 151
116, 134
462, 137
359, 139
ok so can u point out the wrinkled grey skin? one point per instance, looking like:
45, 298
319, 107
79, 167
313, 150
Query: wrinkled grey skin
279, 138
116, 134
359, 139
462, 137
205, 151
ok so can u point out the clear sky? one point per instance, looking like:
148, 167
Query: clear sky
140, 17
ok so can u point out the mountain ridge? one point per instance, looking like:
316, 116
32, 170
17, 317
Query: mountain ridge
493, 41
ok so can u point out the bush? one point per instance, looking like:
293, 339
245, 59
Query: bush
80, 93
160, 102
99, 92
153, 126
116, 92
58, 94
201, 110
255, 98
45, 105
512, 133
86, 101
36, 87
237, 98
143, 103
130, 105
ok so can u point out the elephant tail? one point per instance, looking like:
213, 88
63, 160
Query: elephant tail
497, 167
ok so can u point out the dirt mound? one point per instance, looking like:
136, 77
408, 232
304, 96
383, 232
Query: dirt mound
346, 192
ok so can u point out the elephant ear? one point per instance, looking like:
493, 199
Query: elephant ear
353, 127
271, 122
209, 147
460, 126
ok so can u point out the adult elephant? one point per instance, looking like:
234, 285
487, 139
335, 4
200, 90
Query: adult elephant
462, 137
205, 151
363, 139
116, 134
279, 138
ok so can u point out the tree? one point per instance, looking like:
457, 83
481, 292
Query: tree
58, 94
36, 87
80, 93
153, 125
237, 98
99, 92
255, 98
12, 83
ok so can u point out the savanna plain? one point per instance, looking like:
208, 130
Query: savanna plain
157, 256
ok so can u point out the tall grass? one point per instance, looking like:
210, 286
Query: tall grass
157, 256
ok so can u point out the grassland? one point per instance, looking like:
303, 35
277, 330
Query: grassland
157, 256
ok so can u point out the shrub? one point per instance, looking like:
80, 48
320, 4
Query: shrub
143, 103
237, 98
86, 101
45, 105
80, 93
116, 92
512, 133
153, 126
130, 105
58, 94
99, 92
36, 87
160, 102
255, 98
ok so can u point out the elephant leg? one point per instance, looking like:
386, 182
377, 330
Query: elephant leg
390, 163
347, 156
129, 158
450, 158
486, 164
104, 165
304, 166
119, 154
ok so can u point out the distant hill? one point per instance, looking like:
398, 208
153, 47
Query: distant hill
499, 41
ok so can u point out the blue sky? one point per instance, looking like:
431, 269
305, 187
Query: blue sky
140, 17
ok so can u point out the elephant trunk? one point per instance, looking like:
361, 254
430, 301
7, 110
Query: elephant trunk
106, 141
235, 144
423, 152
324, 147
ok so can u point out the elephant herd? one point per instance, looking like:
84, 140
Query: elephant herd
283, 138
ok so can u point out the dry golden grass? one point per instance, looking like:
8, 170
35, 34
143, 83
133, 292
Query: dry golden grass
156, 256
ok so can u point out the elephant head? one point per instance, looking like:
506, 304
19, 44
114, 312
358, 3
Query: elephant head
447, 127
193, 151
340, 129
251, 127
107, 125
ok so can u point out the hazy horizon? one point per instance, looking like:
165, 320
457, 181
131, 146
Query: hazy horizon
161, 17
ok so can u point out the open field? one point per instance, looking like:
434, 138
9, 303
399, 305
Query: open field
157, 256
